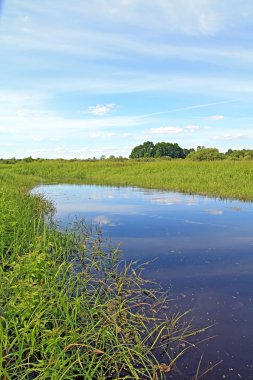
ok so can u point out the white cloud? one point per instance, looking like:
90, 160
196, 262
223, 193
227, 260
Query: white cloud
89, 43
96, 135
215, 117
191, 128
46, 33
198, 17
20, 113
230, 136
26, 112
38, 139
110, 47
186, 16
18, 102
171, 130
101, 110
165, 130
68, 153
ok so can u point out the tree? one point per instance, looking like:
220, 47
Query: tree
200, 147
229, 151
144, 150
242, 154
176, 151
28, 159
206, 154
160, 149
148, 149
187, 151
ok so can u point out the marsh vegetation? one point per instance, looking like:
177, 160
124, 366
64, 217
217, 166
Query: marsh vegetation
69, 307
222, 178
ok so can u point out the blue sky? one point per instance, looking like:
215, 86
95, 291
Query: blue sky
87, 78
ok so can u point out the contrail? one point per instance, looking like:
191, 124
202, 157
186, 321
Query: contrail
187, 108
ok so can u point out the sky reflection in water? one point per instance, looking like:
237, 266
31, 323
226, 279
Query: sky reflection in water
203, 251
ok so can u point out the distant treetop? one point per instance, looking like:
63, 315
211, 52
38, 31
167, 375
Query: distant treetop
172, 150
160, 149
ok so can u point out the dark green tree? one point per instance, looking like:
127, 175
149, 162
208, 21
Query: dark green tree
163, 149
168, 149
229, 151
144, 150
187, 151
176, 151
160, 149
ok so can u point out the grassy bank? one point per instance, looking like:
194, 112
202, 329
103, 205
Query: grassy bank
225, 179
69, 309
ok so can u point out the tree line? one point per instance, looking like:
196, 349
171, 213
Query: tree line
172, 150
160, 149
166, 150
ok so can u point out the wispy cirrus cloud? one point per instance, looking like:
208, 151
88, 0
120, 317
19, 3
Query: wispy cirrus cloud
68, 65
36, 27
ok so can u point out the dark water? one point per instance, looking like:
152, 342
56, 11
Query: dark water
204, 256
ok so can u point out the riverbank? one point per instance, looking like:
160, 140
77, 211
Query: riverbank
69, 308
224, 179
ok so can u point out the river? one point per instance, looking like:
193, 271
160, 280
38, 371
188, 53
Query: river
203, 255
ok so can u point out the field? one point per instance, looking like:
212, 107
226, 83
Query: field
225, 179
69, 308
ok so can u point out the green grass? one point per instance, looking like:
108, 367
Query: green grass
225, 179
69, 307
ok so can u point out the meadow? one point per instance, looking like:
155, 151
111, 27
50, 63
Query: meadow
224, 178
69, 307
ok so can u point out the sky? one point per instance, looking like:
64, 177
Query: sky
86, 78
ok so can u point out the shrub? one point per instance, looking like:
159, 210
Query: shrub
206, 154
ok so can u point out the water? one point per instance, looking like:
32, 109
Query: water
203, 250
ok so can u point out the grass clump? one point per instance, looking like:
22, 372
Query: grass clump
70, 308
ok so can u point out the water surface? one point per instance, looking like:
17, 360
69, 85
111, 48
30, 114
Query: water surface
203, 251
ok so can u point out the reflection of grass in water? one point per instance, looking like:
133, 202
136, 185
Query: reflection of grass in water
69, 309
